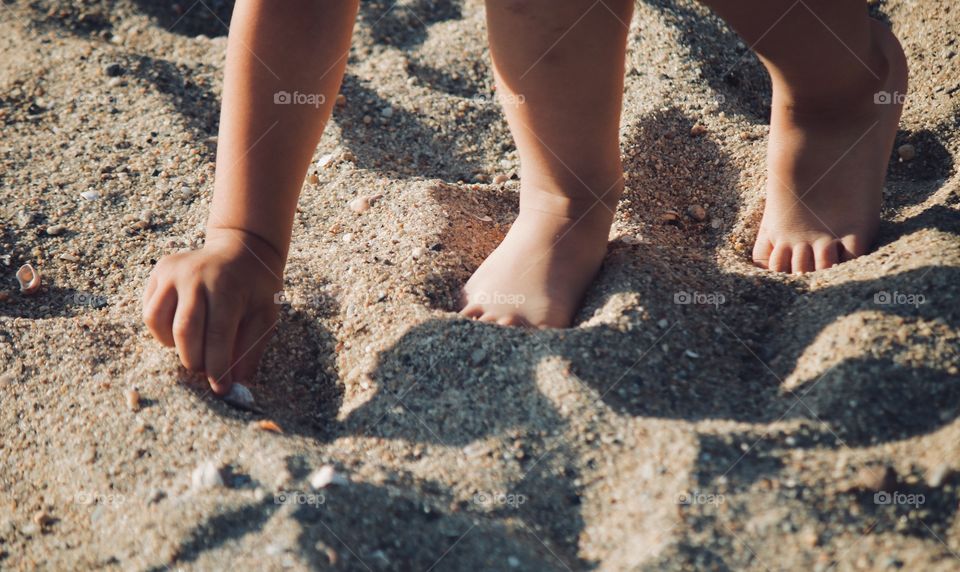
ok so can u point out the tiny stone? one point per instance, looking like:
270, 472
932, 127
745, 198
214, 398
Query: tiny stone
90, 195
698, 129
663, 323
113, 69
697, 213
500, 179
155, 496
418, 252
907, 152
347, 237
146, 215
386, 112
876, 479
128, 218
367, 120
478, 356
341, 100
41, 518
133, 399
207, 475
239, 395
55, 229
670, 217
313, 179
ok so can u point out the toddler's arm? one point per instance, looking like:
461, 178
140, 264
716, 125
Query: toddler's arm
285, 62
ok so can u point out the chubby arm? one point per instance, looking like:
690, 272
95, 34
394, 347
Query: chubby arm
285, 62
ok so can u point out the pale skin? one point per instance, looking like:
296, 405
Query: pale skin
559, 71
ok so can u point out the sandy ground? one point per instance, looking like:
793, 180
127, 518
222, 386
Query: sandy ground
701, 414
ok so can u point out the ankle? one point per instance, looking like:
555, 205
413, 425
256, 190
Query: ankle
599, 202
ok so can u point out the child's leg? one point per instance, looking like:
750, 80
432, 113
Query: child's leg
838, 82
559, 68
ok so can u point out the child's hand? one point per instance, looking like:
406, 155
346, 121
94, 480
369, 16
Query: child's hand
216, 305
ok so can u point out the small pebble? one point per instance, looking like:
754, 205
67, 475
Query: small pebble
630, 239
347, 237
55, 229
42, 518
146, 215
207, 475
876, 479
326, 476
500, 179
670, 217
386, 112
113, 69
907, 152
698, 130
367, 120
313, 179
133, 399
360, 205
478, 356
418, 252
341, 100
697, 213
67, 257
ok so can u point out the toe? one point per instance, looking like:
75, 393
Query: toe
802, 259
761, 251
780, 258
826, 253
513, 321
472, 311
852, 246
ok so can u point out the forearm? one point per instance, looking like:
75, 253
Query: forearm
266, 142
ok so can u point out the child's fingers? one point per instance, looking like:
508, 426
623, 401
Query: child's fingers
150, 288
188, 328
221, 332
252, 340
158, 315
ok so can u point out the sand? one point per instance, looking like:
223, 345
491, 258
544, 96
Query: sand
700, 415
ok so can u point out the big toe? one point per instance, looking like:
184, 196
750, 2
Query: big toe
853, 246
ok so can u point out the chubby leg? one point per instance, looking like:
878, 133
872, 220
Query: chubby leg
839, 79
559, 69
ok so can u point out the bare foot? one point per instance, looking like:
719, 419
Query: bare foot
540, 272
826, 169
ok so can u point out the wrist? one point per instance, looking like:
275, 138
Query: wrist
252, 242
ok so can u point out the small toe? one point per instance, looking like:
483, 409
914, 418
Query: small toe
780, 258
761, 252
852, 246
826, 252
513, 321
488, 319
802, 259
472, 311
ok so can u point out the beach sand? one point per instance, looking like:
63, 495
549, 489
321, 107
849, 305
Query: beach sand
701, 414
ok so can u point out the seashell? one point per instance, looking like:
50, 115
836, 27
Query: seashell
268, 425
360, 205
29, 279
207, 475
239, 396
90, 195
326, 476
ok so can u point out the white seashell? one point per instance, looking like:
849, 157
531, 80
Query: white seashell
326, 160
360, 205
29, 279
90, 195
326, 476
